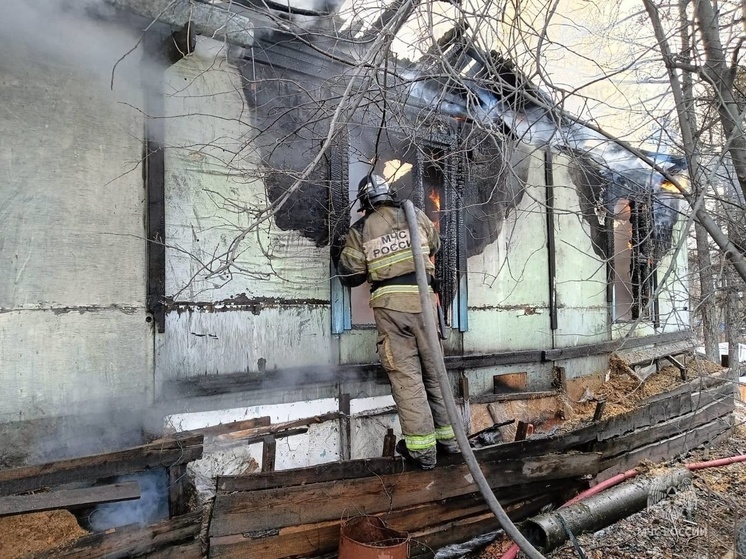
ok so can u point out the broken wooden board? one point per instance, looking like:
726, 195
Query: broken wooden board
258, 510
69, 498
221, 428
642, 360
669, 448
624, 444
164, 453
168, 537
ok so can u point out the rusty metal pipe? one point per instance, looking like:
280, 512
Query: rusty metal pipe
445, 387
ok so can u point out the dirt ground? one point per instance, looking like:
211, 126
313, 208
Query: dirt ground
701, 523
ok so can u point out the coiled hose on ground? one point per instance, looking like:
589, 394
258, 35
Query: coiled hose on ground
445, 387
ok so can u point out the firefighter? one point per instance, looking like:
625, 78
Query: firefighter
377, 249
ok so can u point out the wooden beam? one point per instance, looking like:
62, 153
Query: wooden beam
259, 510
261, 431
668, 448
99, 466
222, 429
625, 444
322, 537
277, 435
177, 490
133, 541
345, 435
269, 450
213, 385
69, 498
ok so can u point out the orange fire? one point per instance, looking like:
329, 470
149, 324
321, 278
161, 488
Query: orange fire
435, 199
669, 187
434, 214
683, 181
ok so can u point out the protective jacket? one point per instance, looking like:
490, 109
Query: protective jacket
378, 249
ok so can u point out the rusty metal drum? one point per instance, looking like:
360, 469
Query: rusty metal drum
368, 537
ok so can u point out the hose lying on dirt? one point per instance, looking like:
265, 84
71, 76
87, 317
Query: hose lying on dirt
445, 387
512, 552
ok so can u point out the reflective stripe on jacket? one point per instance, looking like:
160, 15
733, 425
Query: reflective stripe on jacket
378, 247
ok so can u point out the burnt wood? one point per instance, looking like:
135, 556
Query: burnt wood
191, 550
668, 448
428, 520
682, 400
177, 490
345, 434
257, 433
69, 498
130, 541
280, 434
286, 506
223, 428
611, 448
269, 448
213, 385
164, 453
350, 469
154, 172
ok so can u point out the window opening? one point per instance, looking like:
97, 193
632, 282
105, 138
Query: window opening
425, 173
634, 269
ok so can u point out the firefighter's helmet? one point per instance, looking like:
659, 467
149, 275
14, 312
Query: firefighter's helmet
372, 190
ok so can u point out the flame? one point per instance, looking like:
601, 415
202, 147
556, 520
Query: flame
670, 187
434, 213
435, 199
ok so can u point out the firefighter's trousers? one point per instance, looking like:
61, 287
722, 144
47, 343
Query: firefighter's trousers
405, 355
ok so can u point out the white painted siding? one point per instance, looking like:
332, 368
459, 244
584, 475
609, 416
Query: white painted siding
213, 191
73, 334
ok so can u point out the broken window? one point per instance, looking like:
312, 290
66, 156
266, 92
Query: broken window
425, 172
633, 264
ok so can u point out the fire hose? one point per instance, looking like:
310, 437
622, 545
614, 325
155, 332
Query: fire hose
445, 387
512, 552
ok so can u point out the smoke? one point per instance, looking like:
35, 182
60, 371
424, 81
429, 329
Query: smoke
151, 507
88, 37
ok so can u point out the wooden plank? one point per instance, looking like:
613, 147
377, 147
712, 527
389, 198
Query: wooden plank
323, 537
258, 433
345, 435
131, 541
275, 508
269, 448
510, 396
661, 431
161, 454
191, 550
278, 435
223, 428
68, 498
213, 385
668, 448
333, 471
177, 490
646, 356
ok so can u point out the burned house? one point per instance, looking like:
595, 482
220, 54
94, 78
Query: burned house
168, 213
170, 201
